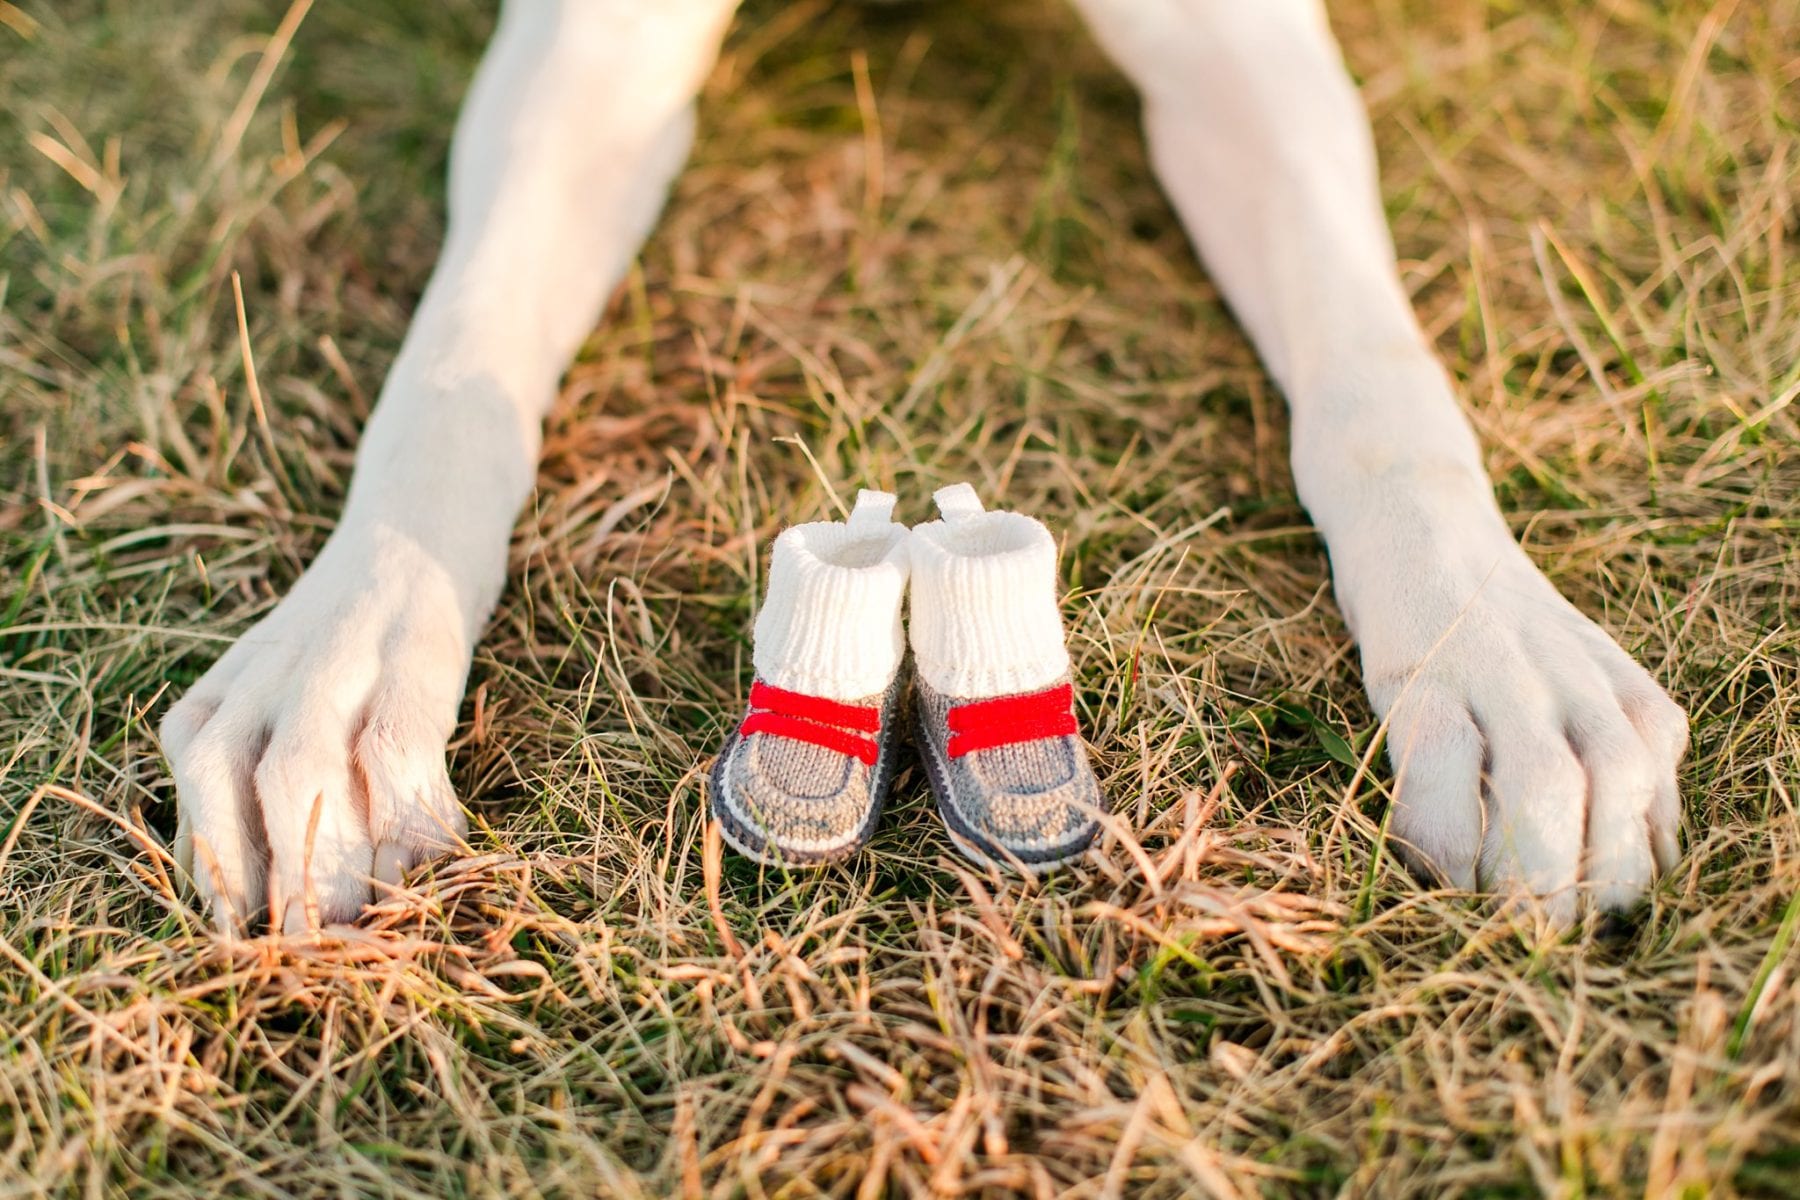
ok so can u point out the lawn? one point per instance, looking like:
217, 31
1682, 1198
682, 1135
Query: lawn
917, 243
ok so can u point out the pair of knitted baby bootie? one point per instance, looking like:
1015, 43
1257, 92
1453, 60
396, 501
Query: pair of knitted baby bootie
802, 779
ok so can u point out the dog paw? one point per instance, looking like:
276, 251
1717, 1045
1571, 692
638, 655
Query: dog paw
309, 761
1532, 756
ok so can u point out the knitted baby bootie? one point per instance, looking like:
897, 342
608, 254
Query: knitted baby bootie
995, 708
801, 780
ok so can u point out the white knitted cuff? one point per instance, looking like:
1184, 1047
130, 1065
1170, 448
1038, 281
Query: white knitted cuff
985, 620
830, 624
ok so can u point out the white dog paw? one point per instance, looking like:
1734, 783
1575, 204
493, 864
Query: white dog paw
309, 761
1532, 756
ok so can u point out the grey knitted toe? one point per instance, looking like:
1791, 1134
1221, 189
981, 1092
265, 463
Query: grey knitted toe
1031, 803
786, 801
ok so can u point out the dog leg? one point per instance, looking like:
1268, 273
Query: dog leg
1533, 755
309, 760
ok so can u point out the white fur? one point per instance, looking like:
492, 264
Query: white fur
1533, 755
320, 735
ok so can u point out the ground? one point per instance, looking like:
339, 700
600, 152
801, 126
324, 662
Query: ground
918, 243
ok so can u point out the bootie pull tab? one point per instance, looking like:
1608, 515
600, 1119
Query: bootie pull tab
958, 502
873, 510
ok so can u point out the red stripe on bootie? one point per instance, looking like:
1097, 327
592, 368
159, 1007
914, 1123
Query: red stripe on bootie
814, 720
1009, 720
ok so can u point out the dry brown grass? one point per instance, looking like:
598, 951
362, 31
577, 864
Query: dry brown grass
945, 260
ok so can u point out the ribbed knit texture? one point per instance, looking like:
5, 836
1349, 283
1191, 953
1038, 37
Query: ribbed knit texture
830, 624
985, 620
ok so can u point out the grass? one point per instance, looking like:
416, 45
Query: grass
916, 244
